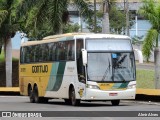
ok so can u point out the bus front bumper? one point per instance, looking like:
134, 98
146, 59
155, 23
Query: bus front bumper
95, 94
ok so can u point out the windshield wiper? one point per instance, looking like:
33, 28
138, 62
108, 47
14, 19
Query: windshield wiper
121, 59
107, 70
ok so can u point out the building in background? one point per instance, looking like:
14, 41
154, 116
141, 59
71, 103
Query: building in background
139, 27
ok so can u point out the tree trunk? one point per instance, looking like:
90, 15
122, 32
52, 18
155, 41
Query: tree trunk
127, 17
95, 17
157, 67
0, 48
8, 60
105, 23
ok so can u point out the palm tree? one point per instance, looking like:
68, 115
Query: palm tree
48, 14
8, 28
105, 21
151, 11
33, 15
106, 9
3, 14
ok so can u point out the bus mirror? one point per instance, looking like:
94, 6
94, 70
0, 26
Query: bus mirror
84, 56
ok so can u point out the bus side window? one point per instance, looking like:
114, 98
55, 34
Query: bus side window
80, 67
67, 50
57, 52
22, 55
45, 52
50, 45
62, 51
70, 50
27, 54
40, 53
32, 53
37, 53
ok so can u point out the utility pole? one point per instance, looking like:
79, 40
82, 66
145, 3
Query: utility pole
126, 10
95, 17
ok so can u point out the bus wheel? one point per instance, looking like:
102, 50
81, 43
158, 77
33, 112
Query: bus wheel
115, 102
31, 95
73, 99
43, 100
35, 92
67, 101
37, 98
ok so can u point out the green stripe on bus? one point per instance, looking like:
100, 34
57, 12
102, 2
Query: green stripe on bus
116, 85
124, 85
52, 79
120, 85
59, 77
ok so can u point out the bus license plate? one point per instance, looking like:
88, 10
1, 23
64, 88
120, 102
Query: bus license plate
113, 94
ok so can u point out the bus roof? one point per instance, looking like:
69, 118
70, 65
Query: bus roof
70, 36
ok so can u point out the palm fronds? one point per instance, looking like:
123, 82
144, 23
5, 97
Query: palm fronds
51, 15
3, 14
151, 11
149, 43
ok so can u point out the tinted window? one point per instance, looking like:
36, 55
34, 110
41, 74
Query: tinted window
58, 51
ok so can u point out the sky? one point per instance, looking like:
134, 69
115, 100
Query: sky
16, 41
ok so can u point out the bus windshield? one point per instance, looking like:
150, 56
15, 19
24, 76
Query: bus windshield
111, 67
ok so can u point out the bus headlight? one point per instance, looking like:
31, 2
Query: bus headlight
92, 86
131, 86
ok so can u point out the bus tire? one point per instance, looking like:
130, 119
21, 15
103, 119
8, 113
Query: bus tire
31, 95
43, 100
37, 98
115, 102
67, 101
74, 101
35, 93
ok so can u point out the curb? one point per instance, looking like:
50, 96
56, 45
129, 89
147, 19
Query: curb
152, 92
9, 91
142, 97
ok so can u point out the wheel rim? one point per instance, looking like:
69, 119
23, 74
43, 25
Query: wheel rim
36, 95
31, 96
73, 96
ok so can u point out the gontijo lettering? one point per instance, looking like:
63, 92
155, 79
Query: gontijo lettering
40, 69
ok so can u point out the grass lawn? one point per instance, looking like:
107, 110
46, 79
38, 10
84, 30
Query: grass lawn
2, 56
145, 79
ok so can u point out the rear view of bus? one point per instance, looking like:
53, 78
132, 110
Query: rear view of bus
108, 68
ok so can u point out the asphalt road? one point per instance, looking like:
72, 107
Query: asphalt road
22, 104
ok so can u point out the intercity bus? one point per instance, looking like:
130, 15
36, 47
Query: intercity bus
78, 67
